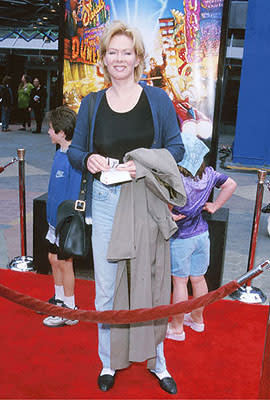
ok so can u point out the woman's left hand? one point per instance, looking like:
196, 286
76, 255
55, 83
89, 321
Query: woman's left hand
128, 166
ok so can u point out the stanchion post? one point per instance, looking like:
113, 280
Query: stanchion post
264, 390
21, 158
250, 294
22, 263
256, 220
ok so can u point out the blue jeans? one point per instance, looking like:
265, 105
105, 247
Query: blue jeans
104, 202
5, 117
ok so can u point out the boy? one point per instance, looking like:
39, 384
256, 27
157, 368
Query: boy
64, 185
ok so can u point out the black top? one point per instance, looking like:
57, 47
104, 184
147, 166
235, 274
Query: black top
38, 97
117, 133
7, 96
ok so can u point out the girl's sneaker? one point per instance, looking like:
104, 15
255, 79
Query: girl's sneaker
180, 337
188, 321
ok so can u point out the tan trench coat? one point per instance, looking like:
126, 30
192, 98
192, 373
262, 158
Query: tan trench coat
141, 231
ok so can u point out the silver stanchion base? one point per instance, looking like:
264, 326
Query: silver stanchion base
22, 264
249, 294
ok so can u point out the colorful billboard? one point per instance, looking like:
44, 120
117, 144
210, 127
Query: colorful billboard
182, 39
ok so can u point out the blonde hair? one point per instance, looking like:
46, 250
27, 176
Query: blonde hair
120, 28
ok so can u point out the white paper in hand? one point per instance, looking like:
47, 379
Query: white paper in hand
114, 176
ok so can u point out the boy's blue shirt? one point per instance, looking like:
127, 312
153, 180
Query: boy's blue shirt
64, 184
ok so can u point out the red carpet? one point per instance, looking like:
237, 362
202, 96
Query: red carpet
37, 362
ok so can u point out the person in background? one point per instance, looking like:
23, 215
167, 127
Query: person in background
37, 103
127, 116
64, 185
24, 92
190, 246
7, 103
266, 210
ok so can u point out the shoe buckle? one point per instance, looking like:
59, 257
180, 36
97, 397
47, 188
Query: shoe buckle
80, 205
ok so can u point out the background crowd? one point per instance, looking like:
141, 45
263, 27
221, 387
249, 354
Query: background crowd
26, 103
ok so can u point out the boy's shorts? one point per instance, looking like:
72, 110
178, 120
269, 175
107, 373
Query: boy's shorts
190, 256
54, 249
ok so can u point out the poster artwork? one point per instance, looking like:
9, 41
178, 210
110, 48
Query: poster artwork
182, 39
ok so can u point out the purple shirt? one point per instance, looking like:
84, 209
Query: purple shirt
198, 192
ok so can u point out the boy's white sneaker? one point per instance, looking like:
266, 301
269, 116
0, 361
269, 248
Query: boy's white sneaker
54, 301
188, 321
55, 321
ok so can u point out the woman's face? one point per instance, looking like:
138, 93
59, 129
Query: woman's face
120, 58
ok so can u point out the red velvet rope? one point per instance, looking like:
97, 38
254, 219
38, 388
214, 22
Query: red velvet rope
119, 316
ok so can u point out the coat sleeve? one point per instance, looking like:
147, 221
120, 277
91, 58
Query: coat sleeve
77, 151
29, 89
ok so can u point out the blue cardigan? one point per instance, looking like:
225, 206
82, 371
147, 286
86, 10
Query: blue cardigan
166, 131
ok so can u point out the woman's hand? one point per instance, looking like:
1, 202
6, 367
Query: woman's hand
97, 163
128, 166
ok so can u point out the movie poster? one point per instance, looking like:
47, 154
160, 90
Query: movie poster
182, 39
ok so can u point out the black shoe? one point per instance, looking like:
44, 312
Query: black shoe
168, 384
36, 132
105, 382
266, 209
55, 302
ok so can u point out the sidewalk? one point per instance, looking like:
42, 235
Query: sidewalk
241, 207
38, 157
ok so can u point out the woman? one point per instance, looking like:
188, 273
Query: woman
37, 103
24, 92
127, 116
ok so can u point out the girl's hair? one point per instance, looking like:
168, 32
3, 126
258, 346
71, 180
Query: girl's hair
120, 28
63, 119
198, 175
